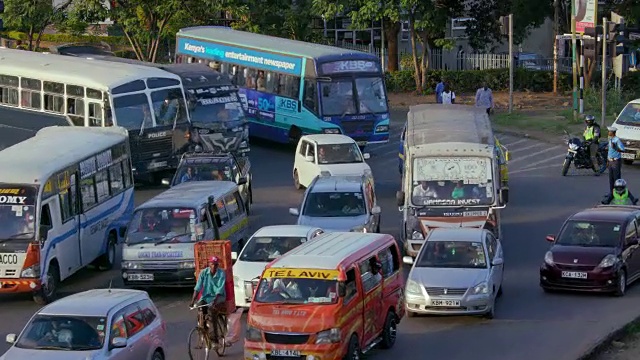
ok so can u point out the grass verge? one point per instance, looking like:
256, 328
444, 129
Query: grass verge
539, 124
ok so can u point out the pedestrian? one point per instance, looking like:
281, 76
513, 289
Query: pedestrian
439, 90
614, 157
484, 98
448, 96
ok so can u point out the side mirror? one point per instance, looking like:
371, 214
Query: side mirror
309, 158
551, 238
497, 262
242, 181
376, 210
165, 182
11, 338
400, 198
507, 156
44, 232
123, 231
342, 289
234, 256
366, 156
294, 212
118, 343
407, 260
504, 196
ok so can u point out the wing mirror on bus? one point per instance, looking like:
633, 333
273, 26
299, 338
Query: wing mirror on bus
44, 232
342, 289
504, 196
165, 182
400, 198
242, 181
366, 156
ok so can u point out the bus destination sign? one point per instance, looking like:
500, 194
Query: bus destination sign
350, 66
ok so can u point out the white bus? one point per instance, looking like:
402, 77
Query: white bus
66, 195
147, 101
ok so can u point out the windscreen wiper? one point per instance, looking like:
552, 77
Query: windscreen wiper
170, 238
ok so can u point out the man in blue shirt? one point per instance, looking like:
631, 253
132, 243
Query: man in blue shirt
210, 289
188, 176
614, 157
439, 90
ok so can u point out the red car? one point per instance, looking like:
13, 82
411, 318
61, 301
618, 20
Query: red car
594, 251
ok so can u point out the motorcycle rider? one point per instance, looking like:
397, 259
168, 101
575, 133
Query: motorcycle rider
620, 195
592, 139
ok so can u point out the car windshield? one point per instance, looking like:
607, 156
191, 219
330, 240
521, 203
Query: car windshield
265, 249
63, 332
165, 225
452, 254
297, 291
372, 95
203, 171
452, 182
334, 204
630, 115
17, 212
339, 154
208, 108
590, 234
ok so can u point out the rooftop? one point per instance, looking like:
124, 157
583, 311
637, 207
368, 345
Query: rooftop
456, 234
337, 183
97, 74
59, 147
327, 251
616, 213
285, 230
96, 302
189, 194
328, 139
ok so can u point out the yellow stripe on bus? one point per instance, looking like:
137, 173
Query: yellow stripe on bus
302, 274
235, 228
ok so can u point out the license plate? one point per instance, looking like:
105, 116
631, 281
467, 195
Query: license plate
574, 274
288, 353
628, 156
445, 303
140, 277
474, 213
157, 165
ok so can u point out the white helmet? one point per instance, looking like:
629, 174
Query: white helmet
620, 186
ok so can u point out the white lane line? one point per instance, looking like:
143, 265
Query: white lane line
535, 154
519, 149
543, 161
16, 128
515, 143
533, 169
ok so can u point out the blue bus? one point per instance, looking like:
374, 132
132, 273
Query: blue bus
292, 88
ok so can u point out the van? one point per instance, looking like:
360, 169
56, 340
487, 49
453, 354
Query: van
628, 124
323, 300
159, 243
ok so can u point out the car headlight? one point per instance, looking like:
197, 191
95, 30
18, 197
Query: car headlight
253, 334
382, 128
359, 228
187, 265
480, 289
413, 288
417, 235
548, 258
330, 336
31, 272
608, 261
131, 265
331, 131
573, 146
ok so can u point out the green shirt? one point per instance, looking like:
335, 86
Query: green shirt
209, 285
458, 193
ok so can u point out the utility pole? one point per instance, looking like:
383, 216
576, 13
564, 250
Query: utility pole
511, 63
383, 61
574, 60
605, 34
556, 27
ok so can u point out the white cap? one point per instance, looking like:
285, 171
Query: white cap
612, 128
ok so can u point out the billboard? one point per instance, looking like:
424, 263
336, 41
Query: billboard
586, 13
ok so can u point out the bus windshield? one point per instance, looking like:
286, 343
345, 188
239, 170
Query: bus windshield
132, 112
338, 100
211, 108
164, 225
17, 212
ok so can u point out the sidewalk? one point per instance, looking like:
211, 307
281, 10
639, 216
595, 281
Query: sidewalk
625, 349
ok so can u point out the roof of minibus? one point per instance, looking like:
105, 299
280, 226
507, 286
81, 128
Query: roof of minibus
20, 124
190, 194
331, 250
278, 45
96, 74
52, 149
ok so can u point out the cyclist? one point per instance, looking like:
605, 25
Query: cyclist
210, 290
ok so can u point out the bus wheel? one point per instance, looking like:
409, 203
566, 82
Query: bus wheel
108, 259
294, 135
49, 290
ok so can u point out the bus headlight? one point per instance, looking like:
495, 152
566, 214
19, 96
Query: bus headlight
330, 336
253, 334
187, 265
331, 131
382, 128
31, 272
131, 265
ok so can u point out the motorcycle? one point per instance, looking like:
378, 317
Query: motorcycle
578, 154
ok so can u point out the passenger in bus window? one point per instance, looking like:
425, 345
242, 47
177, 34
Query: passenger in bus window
250, 77
261, 82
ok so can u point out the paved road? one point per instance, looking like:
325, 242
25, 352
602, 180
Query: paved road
529, 324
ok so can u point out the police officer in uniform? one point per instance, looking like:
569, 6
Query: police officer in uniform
614, 157
620, 195
592, 138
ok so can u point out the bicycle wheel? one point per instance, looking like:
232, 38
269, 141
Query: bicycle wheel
199, 347
221, 347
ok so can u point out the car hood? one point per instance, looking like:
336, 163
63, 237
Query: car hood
334, 223
15, 353
448, 277
628, 132
248, 270
346, 169
580, 255
298, 318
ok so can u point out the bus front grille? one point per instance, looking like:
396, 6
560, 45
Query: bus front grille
152, 148
357, 127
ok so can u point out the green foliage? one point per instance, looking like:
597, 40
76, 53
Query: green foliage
68, 38
470, 81
529, 15
31, 17
616, 101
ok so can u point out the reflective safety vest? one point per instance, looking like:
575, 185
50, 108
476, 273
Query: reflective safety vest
589, 133
621, 199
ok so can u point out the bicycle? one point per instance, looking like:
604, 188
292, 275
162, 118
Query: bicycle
200, 337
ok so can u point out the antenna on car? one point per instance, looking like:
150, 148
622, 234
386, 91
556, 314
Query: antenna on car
110, 284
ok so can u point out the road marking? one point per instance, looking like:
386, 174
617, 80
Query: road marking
16, 128
515, 143
526, 147
543, 161
535, 154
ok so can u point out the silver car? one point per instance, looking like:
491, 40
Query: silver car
340, 203
457, 272
114, 324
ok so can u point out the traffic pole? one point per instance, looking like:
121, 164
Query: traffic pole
605, 34
581, 100
574, 60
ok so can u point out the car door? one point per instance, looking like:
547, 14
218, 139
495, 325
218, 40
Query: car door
301, 152
494, 251
631, 249
118, 329
309, 170
137, 333
372, 301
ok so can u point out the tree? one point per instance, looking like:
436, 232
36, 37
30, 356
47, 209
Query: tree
32, 17
484, 28
362, 13
529, 15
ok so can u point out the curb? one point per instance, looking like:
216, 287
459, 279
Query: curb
605, 342
525, 135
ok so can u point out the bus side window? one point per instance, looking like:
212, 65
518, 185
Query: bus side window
311, 96
95, 114
45, 216
351, 289
272, 82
